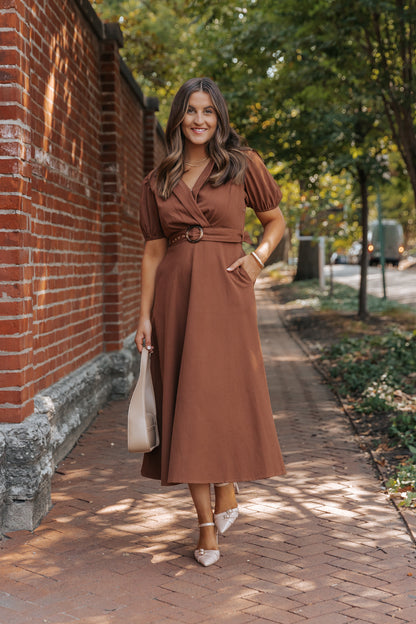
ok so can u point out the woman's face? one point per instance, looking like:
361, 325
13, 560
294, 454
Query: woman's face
200, 121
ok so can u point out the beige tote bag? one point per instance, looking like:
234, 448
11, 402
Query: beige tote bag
142, 431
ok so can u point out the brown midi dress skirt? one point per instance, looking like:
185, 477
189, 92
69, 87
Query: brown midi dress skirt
214, 413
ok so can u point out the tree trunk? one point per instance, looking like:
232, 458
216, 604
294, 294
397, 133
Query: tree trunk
398, 97
408, 138
401, 123
308, 260
362, 297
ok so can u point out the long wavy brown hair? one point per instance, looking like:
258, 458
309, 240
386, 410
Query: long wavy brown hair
225, 147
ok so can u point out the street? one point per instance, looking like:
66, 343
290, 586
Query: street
400, 285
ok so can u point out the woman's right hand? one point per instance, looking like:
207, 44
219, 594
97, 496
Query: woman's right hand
144, 333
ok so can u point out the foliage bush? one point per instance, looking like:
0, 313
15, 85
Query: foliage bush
374, 368
403, 427
379, 374
405, 483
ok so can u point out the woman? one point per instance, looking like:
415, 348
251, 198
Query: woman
198, 311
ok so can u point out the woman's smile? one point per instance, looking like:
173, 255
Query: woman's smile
200, 120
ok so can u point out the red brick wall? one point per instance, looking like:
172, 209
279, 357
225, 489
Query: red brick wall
66, 190
132, 242
72, 160
15, 215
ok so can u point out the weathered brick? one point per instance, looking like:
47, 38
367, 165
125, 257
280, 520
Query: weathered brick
71, 142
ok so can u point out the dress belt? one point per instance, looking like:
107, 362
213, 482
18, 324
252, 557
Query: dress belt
195, 233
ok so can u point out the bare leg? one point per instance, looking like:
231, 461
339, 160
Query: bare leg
201, 496
225, 498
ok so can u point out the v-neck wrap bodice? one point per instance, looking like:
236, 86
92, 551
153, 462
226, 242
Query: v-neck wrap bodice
214, 412
206, 205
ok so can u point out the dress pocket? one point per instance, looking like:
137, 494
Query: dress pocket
241, 276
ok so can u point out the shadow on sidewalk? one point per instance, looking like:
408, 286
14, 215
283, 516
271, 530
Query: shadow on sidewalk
320, 542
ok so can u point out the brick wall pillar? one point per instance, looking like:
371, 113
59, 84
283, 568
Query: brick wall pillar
149, 131
111, 198
16, 340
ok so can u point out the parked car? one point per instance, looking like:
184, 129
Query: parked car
393, 242
354, 253
338, 258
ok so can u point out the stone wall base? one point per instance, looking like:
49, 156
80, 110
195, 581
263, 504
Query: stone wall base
31, 450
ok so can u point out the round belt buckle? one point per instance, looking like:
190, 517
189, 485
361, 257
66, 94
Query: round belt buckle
192, 239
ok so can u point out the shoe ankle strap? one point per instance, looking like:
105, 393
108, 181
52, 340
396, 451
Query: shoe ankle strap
235, 484
204, 524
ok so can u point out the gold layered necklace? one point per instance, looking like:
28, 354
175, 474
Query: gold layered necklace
197, 163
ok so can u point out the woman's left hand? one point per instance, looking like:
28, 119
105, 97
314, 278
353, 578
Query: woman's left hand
249, 264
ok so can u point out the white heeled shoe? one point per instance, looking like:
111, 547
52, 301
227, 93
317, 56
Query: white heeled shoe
206, 557
225, 519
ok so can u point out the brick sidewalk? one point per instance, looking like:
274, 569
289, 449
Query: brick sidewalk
321, 545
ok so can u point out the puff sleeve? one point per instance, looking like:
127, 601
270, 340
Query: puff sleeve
262, 192
149, 215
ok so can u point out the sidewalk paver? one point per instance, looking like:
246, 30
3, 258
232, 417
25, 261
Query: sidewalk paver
320, 545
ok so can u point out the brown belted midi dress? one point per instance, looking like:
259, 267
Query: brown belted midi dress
214, 412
